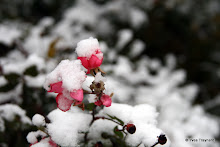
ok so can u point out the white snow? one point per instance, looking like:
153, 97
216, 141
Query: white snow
12, 95
65, 127
8, 33
32, 136
137, 17
124, 36
20, 66
92, 98
69, 72
137, 48
132, 82
3, 81
88, 47
38, 120
99, 77
43, 143
142, 116
37, 44
10, 111
87, 83
37, 81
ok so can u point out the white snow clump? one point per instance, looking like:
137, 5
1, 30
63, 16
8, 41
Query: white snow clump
38, 120
69, 72
88, 47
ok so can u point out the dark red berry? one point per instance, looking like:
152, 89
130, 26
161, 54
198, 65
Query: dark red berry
131, 128
162, 139
99, 144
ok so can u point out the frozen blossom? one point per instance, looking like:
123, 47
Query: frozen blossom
46, 142
69, 72
104, 100
66, 79
89, 53
156, 100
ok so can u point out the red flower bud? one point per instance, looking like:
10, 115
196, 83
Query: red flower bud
131, 128
162, 139
98, 144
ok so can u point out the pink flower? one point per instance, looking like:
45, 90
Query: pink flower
56, 87
105, 100
33, 144
49, 140
93, 62
64, 103
52, 143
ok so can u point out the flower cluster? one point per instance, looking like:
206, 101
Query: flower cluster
68, 81
89, 53
67, 78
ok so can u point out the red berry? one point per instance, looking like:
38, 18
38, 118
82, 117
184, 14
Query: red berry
131, 128
162, 139
99, 144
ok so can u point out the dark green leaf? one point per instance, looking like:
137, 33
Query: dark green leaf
117, 132
90, 106
117, 119
31, 71
105, 135
120, 121
12, 79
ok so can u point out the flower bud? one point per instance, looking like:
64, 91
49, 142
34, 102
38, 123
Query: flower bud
97, 87
162, 139
98, 144
131, 128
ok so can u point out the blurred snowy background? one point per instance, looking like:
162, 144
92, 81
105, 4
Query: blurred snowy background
165, 53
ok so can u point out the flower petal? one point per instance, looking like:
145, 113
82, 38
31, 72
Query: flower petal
63, 103
106, 100
56, 87
84, 62
77, 95
98, 103
94, 61
52, 143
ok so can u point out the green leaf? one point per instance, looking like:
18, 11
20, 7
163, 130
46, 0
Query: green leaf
90, 106
31, 71
12, 77
112, 117
117, 119
105, 135
13, 80
118, 133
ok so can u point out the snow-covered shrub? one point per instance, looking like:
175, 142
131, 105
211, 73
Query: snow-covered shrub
30, 53
92, 122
